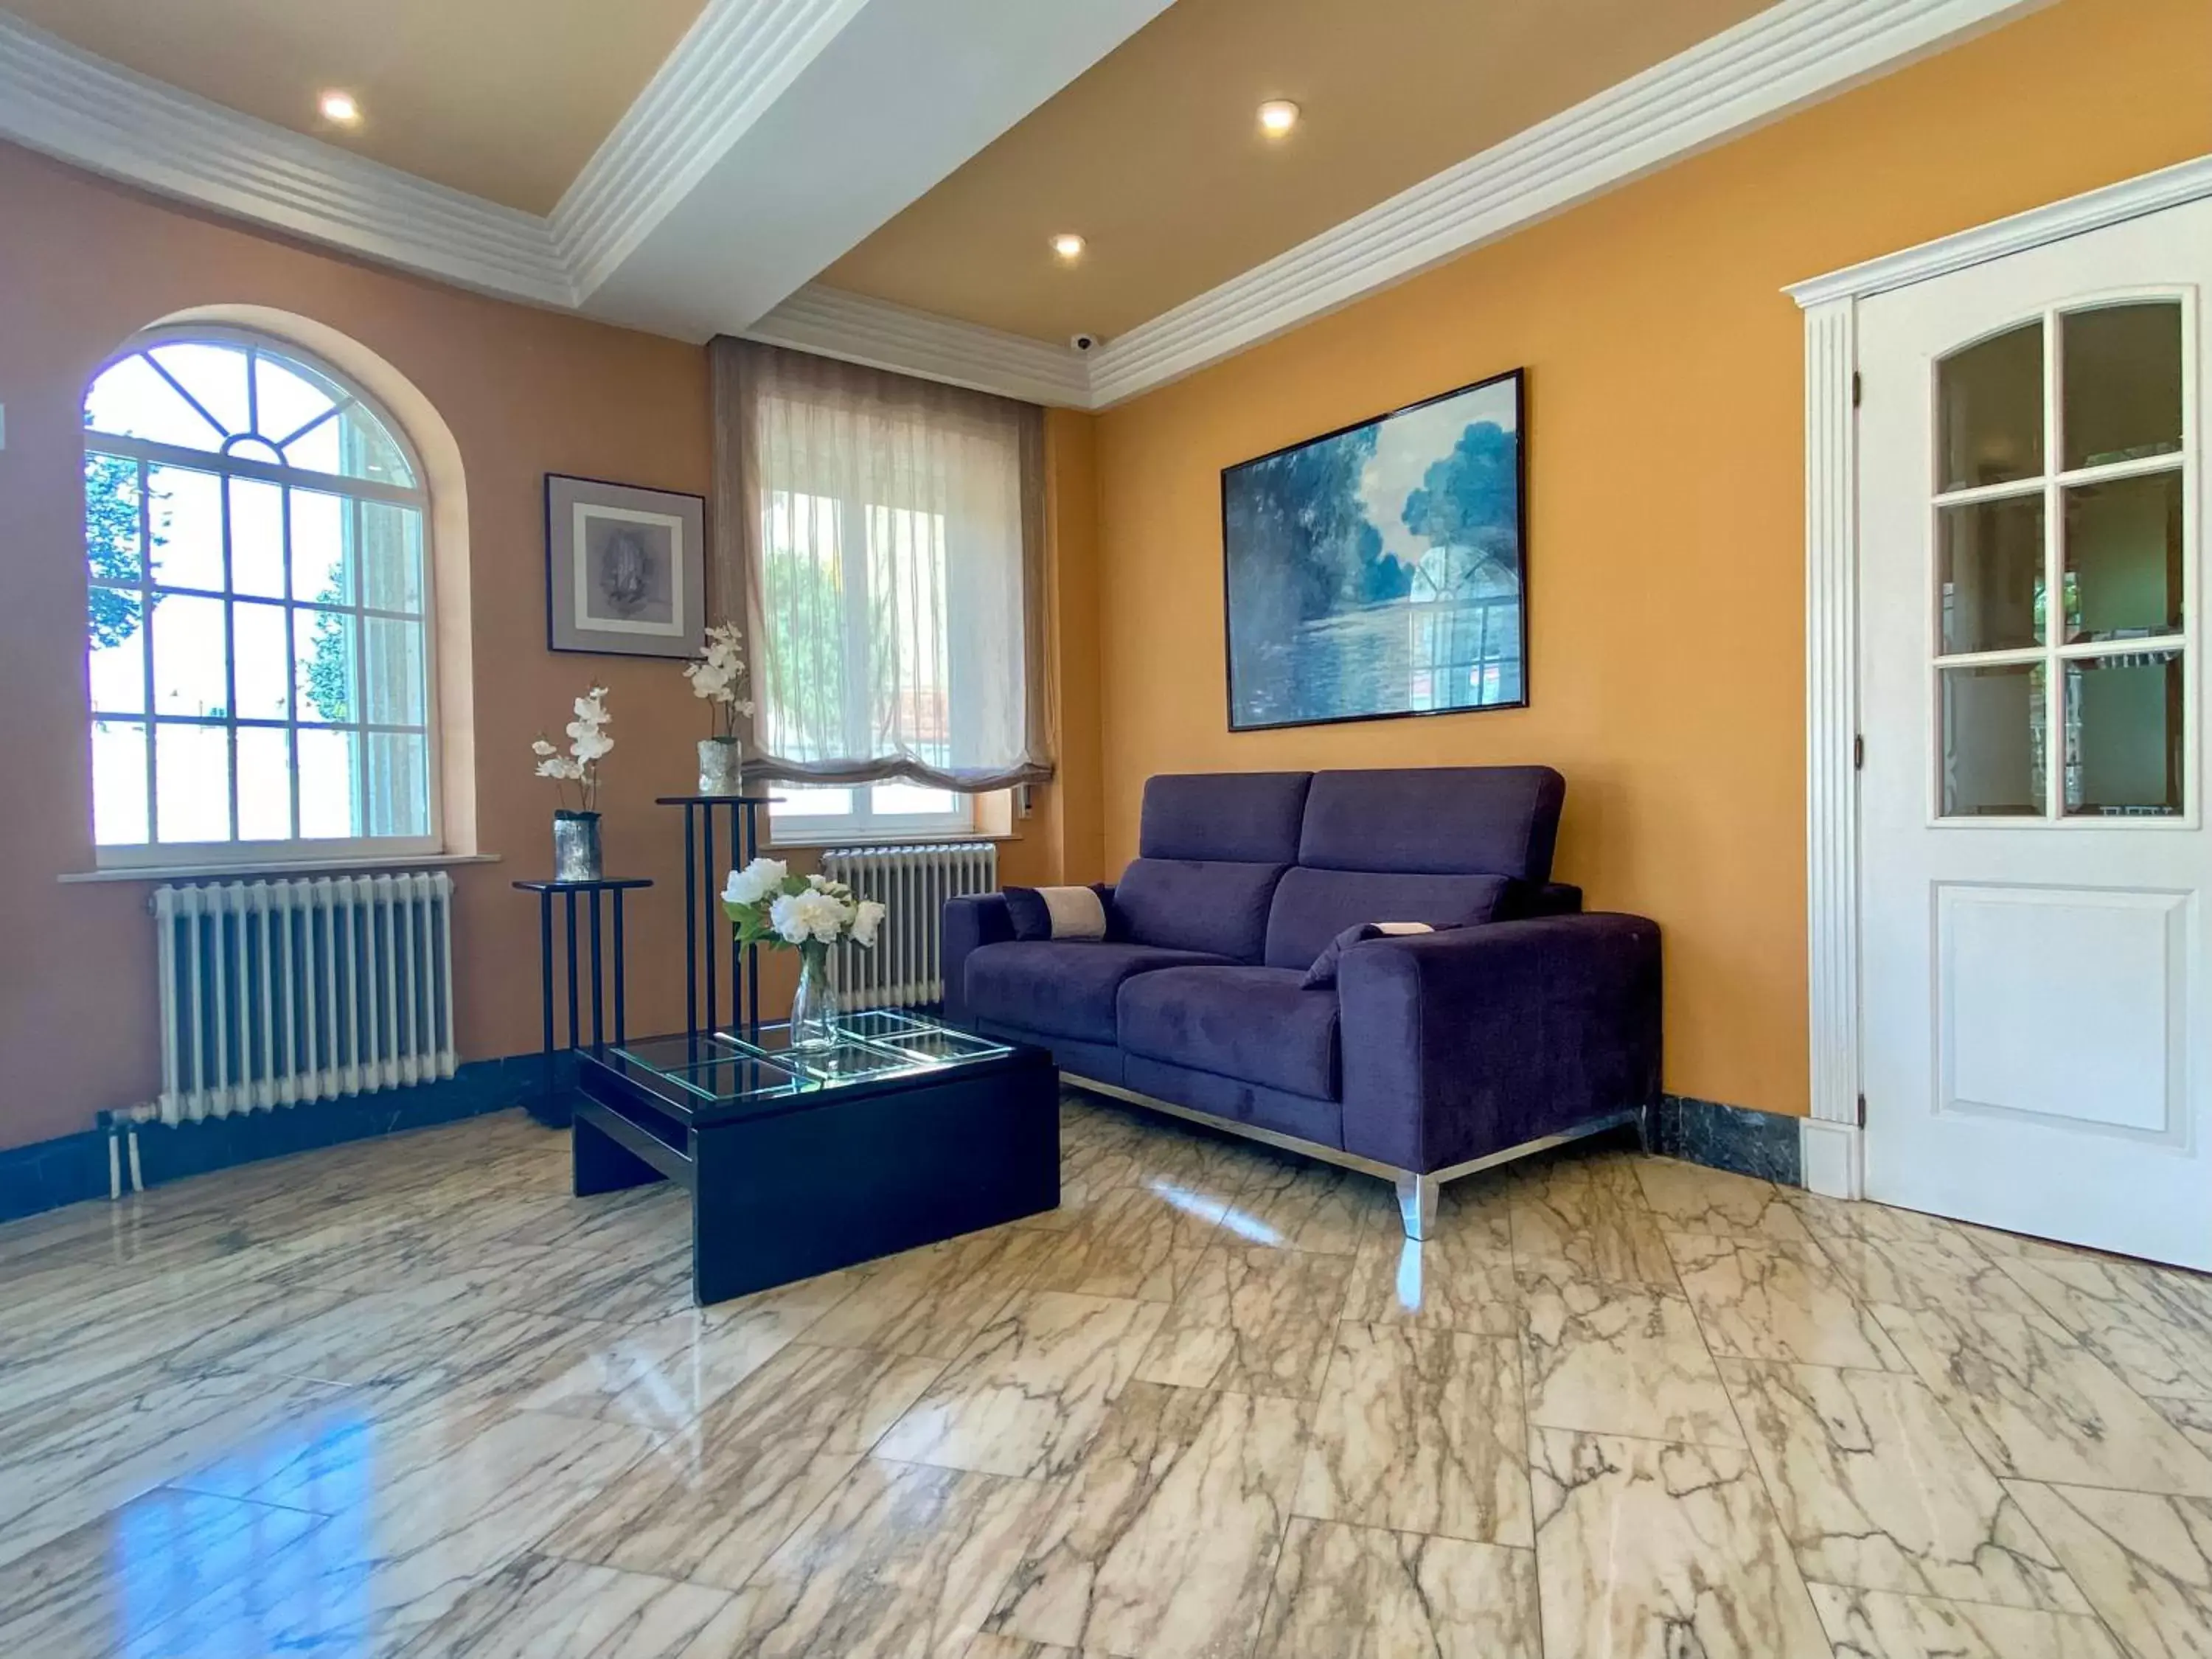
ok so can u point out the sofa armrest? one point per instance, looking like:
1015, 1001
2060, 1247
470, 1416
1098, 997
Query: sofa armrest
971, 922
1463, 1043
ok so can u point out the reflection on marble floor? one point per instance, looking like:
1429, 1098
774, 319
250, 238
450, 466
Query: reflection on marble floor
410, 1399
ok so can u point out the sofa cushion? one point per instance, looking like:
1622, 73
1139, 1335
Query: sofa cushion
1060, 912
1312, 907
1180, 904
1061, 987
1259, 1025
1243, 818
1496, 820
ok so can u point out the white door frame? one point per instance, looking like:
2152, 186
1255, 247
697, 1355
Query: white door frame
1829, 1138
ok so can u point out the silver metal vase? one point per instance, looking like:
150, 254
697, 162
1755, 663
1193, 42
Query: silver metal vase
721, 766
576, 847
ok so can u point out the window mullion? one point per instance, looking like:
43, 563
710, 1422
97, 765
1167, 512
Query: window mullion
146, 647
230, 653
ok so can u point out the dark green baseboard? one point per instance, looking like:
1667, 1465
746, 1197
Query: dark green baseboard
49, 1173
1732, 1138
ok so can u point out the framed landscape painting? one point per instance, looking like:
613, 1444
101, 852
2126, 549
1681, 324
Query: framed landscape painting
625, 569
1382, 569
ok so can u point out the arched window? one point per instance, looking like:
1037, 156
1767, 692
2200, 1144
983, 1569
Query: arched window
258, 635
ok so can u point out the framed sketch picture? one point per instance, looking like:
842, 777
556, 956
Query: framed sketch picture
1381, 570
625, 569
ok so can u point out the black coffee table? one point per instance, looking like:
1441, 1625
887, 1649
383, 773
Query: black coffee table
904, 1132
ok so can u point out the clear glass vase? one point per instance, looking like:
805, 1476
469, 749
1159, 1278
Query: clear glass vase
814, 1005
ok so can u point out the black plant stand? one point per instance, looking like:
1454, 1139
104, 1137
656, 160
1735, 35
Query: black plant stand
703, 921
552, 1107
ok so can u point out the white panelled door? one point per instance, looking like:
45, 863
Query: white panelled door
2036, 871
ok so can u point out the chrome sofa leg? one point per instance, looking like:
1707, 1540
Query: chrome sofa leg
1417, 1204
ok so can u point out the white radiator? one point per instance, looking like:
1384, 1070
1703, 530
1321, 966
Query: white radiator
907, 967
278, 992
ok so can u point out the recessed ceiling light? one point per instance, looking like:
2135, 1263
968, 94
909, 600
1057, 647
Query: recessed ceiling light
1278, 116
342, 108
1068, 246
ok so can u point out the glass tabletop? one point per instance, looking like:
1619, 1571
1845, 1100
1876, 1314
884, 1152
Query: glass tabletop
739, 1068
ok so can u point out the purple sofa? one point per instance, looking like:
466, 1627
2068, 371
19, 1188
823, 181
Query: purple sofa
1434, 1054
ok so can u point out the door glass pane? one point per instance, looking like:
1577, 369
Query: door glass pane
1990, 569
1992, 741
265, 783
192, 772
2122, 383
323, 653
2123, 749
2124, 558
184, 510
119, 783
1990, 400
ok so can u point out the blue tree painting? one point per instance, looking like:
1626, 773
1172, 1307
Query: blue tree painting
1380, 570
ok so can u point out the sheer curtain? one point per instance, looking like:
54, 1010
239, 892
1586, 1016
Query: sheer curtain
883, 539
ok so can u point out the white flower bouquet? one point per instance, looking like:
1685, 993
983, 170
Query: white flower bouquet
808, 914
718, 679
588, 744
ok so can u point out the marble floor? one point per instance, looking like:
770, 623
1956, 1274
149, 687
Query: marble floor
409, 1398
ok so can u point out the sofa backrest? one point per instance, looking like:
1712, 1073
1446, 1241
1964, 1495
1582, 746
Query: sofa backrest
1443, 845
1211, 847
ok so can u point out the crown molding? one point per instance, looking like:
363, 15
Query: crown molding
740, 56
833, 323
1783, 59
2131, 199
95, 114
737, 58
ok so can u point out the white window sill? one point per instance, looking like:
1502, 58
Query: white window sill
923, 838
284, 867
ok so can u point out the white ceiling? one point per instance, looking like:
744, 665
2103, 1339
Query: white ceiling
780, 133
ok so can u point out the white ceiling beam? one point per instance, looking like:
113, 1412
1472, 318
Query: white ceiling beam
893, 96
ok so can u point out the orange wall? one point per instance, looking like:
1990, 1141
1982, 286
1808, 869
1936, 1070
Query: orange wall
1665, 434
83, 265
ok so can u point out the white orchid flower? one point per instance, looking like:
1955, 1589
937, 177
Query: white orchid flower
541, 747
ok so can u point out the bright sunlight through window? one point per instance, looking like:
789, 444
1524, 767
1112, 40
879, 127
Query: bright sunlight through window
257, 636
